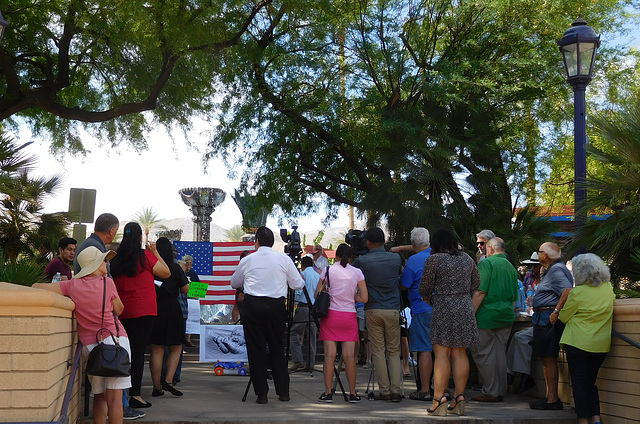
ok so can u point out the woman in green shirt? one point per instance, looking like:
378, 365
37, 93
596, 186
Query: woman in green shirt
587, 311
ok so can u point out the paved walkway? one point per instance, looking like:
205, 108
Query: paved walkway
209, 398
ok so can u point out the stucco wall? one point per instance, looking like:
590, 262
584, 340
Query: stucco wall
619, 378
37, 345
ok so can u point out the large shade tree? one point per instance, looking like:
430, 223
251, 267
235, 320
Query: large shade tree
424, 113
103, 62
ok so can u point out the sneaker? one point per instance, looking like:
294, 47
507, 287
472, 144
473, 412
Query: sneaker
326, 398
297, 366
354, 398
128, 413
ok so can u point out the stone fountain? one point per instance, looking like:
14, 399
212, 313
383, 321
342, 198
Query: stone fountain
202, 202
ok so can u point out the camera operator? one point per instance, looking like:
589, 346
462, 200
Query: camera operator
319, 261
381, 271
265, 275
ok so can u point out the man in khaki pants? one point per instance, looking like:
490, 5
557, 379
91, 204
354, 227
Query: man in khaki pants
382, 271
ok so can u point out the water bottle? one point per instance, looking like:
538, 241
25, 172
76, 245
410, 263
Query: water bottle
56, 278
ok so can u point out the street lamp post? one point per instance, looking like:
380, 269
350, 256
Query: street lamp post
579, 45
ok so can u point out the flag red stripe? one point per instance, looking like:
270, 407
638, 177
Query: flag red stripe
223, 274
219, 283
221, 292
235, 253
225, 263
217, 302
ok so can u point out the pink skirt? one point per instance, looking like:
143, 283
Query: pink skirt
339, 326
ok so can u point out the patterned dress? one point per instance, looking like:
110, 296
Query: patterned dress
450, 280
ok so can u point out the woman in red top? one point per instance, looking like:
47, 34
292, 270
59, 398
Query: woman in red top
134, 269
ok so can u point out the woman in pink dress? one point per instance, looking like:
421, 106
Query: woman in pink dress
346, 286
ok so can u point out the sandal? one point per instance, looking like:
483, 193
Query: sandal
460, 404
441, 409
418, 395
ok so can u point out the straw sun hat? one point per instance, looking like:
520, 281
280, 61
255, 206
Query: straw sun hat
91, 258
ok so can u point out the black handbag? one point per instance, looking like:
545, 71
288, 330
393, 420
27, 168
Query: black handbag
106, 360
323, 300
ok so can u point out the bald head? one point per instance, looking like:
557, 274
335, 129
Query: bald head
494, 246
549, 253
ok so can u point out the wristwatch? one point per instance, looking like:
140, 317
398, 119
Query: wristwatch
555, 311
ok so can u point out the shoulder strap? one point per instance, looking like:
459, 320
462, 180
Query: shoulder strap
104, 297
327, 275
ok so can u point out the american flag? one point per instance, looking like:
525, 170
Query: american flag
215, 263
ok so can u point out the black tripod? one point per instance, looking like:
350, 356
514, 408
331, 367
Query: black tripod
308, 322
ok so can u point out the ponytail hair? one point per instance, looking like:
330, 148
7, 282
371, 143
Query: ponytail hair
344, 252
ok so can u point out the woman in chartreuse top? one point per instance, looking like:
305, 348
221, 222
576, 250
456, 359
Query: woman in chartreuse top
587, 311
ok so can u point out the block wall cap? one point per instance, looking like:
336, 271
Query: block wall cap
626, 310
16, 300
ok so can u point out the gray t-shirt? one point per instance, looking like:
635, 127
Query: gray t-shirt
553, 283
381, 271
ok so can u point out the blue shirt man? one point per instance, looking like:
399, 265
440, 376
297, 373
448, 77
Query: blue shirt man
301, 321
420, 329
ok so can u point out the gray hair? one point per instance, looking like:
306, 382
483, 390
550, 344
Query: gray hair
420, 237
498, 244
187, 258
486, 234
552, 250
590, 269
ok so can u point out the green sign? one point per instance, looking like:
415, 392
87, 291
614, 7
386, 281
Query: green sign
197, 289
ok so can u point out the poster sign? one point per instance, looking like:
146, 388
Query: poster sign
222, 343
198, 289
193, 321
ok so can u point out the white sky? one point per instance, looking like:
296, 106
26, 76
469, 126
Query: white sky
126, 182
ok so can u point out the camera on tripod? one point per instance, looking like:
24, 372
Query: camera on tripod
294, 242
356, 239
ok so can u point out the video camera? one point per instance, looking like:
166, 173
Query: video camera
294, 242
356, 239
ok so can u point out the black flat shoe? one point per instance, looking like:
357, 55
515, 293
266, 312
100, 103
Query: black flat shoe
136, 404
157, 393
169, 388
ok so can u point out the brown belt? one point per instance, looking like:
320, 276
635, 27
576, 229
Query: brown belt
544, 308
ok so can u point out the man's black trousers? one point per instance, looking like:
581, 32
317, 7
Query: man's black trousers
264, 320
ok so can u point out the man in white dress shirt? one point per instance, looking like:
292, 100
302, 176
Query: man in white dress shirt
265, 275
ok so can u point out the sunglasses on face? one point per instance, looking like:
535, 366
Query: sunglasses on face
480, 243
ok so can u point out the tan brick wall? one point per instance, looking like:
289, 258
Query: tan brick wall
619, 377
37, 342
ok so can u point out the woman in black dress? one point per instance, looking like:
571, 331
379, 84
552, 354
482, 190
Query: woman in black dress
168, 329
449, 278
